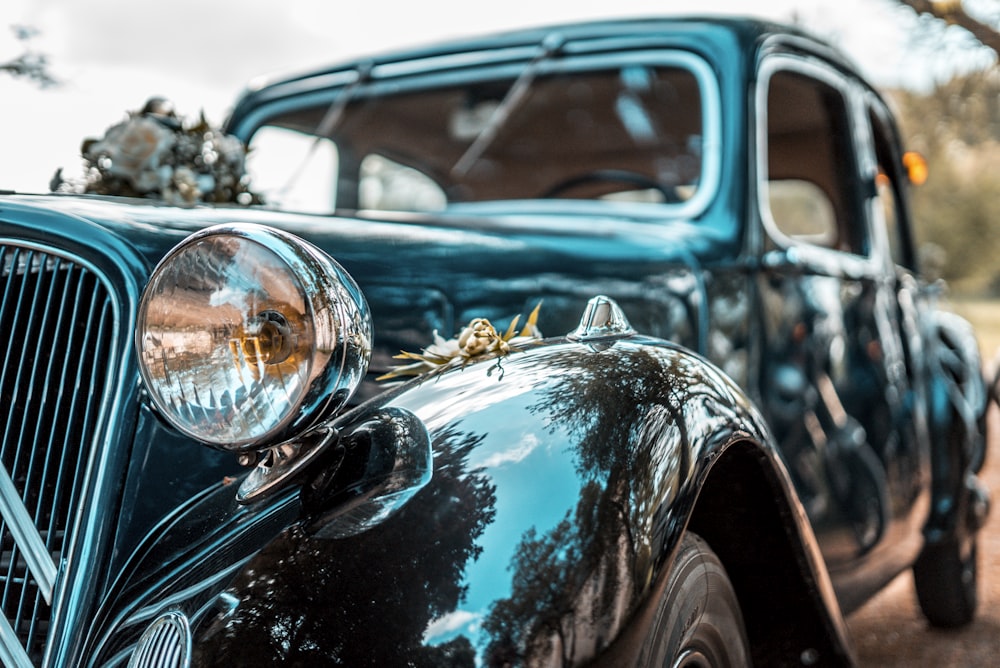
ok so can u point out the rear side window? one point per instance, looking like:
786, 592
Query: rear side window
811, 172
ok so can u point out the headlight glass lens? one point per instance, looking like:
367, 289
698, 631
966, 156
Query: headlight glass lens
241, 332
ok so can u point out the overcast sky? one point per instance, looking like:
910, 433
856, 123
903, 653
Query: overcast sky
114, 54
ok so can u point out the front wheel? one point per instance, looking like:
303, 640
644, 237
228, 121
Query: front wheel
698, 621
946, 576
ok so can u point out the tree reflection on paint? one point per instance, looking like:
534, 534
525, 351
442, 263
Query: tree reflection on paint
574, 585
366, 600
634, 418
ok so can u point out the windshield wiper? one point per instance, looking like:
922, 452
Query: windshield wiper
550, 46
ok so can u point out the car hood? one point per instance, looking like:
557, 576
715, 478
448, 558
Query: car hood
423, 274
154, 227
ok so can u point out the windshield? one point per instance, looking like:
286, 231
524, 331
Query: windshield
639, 132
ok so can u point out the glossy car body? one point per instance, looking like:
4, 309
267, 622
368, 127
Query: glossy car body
813, 418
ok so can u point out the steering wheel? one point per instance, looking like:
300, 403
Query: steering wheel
613, 176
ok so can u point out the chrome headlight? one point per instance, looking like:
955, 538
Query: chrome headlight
247, 335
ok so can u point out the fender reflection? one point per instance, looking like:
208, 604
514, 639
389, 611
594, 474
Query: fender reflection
559, 489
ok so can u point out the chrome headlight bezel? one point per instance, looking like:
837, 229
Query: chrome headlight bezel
212, 297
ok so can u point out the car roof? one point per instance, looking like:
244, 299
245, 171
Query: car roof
746, 32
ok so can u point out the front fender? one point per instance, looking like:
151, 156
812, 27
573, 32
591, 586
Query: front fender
563, 479
958, 400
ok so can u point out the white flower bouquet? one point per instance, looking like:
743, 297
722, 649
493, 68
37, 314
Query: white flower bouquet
156, 154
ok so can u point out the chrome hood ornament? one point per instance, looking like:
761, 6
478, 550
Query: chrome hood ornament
602, 319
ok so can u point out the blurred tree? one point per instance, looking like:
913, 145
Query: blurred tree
953, 12
956, 125
30, 64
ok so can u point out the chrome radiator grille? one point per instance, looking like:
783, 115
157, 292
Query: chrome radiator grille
57, 337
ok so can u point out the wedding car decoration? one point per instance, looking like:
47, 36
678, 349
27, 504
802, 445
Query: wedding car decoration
157, 154
478, 340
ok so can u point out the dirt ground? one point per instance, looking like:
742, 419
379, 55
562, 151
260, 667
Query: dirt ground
890, 631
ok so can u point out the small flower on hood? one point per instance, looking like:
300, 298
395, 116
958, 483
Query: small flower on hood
478, 340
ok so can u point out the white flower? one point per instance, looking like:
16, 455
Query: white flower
230, 150
134, 150
185, 184
156, 153
479, 338
441, 348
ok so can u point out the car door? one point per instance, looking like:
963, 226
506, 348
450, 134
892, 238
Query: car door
901, 289
832, 373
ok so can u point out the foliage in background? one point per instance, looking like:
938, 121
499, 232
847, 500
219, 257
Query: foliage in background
956, 125
981, 22
30, 65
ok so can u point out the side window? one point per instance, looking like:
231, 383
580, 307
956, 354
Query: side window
811, 170
802, 211
387, 185
310, 185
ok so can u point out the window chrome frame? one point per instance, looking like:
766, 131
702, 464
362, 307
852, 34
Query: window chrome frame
394, 78
825, 73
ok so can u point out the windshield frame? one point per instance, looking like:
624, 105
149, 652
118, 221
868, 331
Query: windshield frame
461, 69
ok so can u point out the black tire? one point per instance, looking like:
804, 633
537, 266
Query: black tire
946, 576
698, 620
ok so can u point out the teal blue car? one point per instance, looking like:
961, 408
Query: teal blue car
599, 344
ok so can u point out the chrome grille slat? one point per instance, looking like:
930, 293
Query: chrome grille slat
45, 570
59, 320
37, 556
42, 572
52, 310
9, 352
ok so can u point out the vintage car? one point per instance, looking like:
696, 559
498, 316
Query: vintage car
749, 416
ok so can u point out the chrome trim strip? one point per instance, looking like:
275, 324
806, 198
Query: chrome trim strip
12, 655
26, 536
178, 598
167, 642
